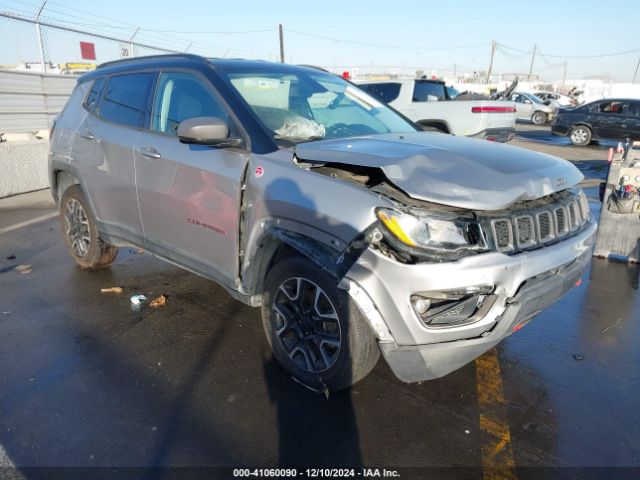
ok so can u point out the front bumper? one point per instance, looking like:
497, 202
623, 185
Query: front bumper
523, 285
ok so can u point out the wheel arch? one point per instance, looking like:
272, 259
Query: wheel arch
441, 125
62, 177
277, 242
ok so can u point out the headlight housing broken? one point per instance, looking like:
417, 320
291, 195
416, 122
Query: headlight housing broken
421, 231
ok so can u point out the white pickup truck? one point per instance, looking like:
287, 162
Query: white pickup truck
433, 105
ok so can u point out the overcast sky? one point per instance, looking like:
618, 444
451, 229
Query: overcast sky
412, 34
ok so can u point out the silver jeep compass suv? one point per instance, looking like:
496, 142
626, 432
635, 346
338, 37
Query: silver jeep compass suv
355, 232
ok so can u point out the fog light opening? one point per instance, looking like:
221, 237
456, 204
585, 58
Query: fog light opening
453, 307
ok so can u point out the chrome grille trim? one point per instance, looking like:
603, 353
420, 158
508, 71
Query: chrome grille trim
535, 223
574, 215
502, 234
525, 231
545, 224
561, 216
584, 207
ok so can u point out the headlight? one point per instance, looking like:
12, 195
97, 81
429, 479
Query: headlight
423, 230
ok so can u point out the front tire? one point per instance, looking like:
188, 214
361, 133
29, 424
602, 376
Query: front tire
314, 329
539, 118
81, 233
580, 135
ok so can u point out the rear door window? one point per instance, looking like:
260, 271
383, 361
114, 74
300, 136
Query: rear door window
634, 109
385, 92
181, 96
91, 102
613, 107
125, 99
428, 92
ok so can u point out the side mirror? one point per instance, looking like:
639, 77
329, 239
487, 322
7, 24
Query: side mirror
206, 131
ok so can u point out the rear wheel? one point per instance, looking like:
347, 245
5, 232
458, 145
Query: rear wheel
539, 118
315, 331
580, 135
80, 232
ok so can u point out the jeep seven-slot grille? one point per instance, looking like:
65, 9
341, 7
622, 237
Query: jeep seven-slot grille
533, 224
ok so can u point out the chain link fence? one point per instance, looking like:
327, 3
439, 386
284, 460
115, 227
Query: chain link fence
72, 47
26, 42
18, 42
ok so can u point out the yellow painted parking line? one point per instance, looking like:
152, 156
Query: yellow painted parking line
497, 456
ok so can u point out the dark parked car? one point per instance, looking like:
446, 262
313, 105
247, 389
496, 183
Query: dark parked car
614, 119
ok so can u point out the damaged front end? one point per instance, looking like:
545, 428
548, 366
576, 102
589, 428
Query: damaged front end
442, 282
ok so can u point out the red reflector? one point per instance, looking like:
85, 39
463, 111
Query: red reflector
346, 75
579, 282
493, 109
517, 327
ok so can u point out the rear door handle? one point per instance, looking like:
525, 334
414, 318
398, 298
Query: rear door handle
88, 135
149, 152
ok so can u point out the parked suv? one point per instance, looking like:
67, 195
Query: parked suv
353, 231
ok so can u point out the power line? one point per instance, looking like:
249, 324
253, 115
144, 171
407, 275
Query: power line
378, 45
599, 55
92, 15
211, 32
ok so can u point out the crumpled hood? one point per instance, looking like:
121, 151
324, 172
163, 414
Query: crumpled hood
456, 171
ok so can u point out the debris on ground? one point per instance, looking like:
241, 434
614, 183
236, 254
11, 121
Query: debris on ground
112, 290
138, 300
160, 301
11, 257
467, 431
578, 356
605, 330
323, 388
24, 269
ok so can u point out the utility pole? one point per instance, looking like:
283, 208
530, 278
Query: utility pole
634, 75
188, 47
493, 52
454, 70
533, 57
281, 44
40, 44
564, 73
131, 54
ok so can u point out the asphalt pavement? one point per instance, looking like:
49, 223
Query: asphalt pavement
90, 387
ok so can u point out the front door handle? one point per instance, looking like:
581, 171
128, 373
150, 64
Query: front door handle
149, 152
88, 135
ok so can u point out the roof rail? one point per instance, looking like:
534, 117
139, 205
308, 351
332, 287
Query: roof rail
134, 59
315, 67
